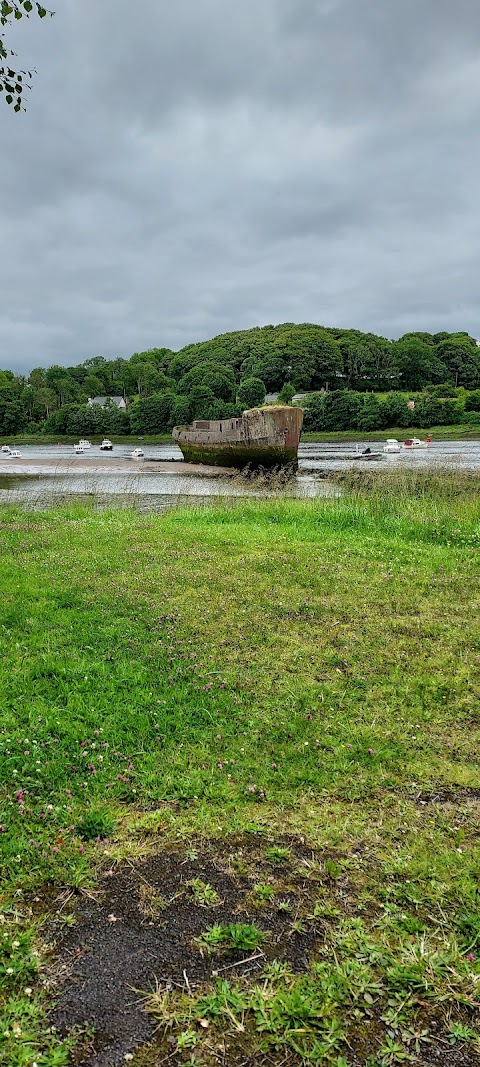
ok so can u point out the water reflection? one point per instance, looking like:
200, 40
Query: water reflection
117, 478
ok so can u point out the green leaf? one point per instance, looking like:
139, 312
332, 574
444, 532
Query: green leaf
9, 98
28, 5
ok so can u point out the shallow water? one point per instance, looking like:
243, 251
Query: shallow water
150, 490
142, 487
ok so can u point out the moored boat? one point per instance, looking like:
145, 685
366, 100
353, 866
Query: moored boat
15, 454
6, 449
392, 446
261, 437
367, 454
79, 449
84, 443
106, 445
415, 442
138, 453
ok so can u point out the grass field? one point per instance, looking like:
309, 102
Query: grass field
239, 786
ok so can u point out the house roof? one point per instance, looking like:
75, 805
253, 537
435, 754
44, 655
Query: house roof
102, 400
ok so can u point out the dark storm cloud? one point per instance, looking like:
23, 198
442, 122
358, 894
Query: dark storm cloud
206, 166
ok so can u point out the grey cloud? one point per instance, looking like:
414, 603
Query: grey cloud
213, 166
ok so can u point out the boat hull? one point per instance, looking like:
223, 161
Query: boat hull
262, 437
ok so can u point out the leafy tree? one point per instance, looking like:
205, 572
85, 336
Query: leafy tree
13, 417
60, 380
115, 421
418, 363
313, 415
181, 412
13, 83
286, 393
85, 419
153, 414
336, 410
472, 402
93, 386
270, 368
218, 379
342, 410
396, 411
202, 403
251, 392
371, 415
461, 357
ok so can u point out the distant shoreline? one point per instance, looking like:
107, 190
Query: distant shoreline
439, 433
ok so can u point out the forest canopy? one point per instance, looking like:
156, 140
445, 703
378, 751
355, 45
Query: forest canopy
223, 376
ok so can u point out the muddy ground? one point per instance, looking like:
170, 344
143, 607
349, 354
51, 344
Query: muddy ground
136, 933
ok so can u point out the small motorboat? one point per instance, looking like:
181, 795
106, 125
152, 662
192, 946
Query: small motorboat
106, 445
6, 449
138, 453
15, 454
79, 449
84, 443
414, 442
366, 454
392, 446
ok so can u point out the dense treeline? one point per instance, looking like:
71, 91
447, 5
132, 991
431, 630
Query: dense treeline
223, 376
348, 410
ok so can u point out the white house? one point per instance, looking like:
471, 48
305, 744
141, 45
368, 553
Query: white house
102, 400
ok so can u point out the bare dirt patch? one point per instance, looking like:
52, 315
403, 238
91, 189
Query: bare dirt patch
139, 930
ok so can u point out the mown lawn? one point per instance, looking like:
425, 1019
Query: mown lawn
282, 699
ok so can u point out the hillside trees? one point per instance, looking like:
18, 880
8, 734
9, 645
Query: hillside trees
219, 379
251, 392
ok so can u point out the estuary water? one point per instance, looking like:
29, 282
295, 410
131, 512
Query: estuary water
45, 474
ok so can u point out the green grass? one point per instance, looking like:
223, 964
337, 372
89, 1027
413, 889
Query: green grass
301, 668
459, 432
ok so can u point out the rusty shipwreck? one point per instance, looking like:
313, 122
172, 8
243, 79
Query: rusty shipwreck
262, 437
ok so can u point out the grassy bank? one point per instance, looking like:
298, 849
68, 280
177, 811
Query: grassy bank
247, 733
438, 433
95, 439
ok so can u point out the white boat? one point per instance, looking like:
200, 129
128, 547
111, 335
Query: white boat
15, 454
392, 445
106, 445
79, 449
367, 454
6, 449
84, 443
415, 442
138, 453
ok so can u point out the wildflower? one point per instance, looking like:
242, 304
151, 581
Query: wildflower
470, 957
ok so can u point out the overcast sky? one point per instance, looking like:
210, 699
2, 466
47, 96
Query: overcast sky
193, 167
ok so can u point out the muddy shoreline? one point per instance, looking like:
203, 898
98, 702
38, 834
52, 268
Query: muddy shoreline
102, 465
